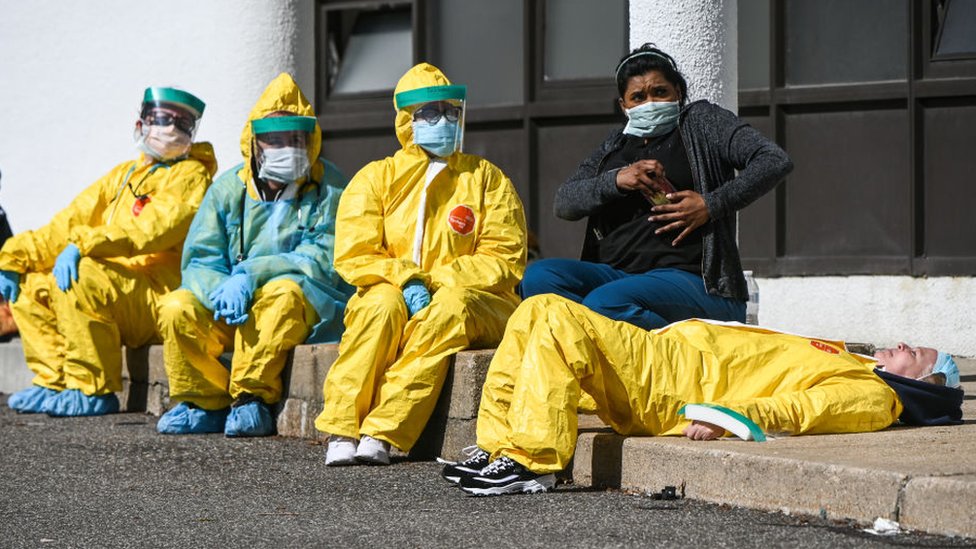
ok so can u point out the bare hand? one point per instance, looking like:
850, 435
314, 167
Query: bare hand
687, 211
699, 430
640, 176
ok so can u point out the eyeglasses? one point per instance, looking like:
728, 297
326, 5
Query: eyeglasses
161, 118
432, 114
277, 140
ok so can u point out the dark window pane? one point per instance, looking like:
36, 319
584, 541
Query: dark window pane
480, 44
753, 44
561, 149
850, 192
950, 131
757, 221
584, 38
836, 41
958, 33
368, 50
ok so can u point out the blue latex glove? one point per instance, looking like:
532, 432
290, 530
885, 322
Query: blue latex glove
66, 267
416, 296
232, 299
9, 285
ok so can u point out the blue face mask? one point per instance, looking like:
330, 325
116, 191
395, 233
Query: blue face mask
439, 139
652, 118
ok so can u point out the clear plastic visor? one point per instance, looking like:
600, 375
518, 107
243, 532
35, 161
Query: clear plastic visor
162, 113
435, 112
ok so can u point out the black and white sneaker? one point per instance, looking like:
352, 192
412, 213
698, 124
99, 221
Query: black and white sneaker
504, 476
477, 460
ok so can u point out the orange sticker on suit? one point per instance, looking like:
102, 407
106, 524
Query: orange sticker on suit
824, 347
461, 219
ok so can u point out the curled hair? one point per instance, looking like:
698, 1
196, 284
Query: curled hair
649, 58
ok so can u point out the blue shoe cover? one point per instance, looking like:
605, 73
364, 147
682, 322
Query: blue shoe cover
74, 403
249, 420
30, 400
184, 419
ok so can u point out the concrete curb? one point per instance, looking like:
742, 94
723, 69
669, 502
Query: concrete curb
815, 485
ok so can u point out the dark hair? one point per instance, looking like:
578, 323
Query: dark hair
649, 58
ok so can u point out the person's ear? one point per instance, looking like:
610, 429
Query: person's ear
620, 101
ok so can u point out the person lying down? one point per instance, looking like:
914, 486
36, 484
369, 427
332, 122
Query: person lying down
555, 353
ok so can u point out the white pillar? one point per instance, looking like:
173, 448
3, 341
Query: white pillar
701, 35
74, 73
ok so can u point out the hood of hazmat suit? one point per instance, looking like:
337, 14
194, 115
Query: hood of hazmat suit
456, 221
289, 236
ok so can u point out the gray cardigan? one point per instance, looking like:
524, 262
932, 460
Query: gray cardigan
717, 144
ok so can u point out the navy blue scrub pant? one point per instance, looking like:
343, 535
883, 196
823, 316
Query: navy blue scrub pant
649, 300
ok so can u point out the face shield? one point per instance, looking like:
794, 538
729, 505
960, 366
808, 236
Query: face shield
438, 117
281, 148
169, 120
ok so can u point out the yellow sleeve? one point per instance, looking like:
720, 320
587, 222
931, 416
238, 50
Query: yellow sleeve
36, 251
361, 256
838, 404
499, 259
162, 223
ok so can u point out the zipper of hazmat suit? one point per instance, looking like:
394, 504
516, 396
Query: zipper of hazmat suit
434, 167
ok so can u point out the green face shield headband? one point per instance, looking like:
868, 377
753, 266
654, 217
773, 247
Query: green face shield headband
177, 97
430, 94
283, 124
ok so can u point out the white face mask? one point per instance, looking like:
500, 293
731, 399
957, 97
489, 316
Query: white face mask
163, 142
286, 165
652, 118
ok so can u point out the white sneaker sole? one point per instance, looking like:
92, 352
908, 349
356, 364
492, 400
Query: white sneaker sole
340, 462
373, 460
544, 483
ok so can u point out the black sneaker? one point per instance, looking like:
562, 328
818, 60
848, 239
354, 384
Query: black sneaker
477, 460
504, 476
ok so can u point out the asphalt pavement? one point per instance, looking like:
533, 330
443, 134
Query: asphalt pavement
113, 482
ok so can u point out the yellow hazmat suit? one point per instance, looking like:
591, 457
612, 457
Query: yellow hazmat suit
130, 250
390, 369
287, 244
553, 349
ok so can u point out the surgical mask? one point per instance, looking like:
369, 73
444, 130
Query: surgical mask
439, 139
287, 164
652, 118
163, 142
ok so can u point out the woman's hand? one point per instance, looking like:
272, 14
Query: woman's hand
699, 430
687, 211
635, 177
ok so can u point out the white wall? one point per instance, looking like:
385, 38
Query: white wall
701, 35
883, 310
72, 76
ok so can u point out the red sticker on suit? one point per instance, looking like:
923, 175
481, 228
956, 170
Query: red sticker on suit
461, 219
824, 347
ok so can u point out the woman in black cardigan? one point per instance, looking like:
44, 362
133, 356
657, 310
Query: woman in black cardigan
660, 197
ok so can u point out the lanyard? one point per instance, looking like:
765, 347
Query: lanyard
125, 183
241, 256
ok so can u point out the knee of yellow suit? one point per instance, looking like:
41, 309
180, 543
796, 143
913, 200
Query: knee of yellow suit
174, 310
90, 290
381, 302
452, 296
284, 292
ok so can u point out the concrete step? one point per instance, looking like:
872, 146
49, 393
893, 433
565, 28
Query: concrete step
450, 429
923, 478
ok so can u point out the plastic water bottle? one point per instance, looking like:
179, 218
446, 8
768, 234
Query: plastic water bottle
752, 306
